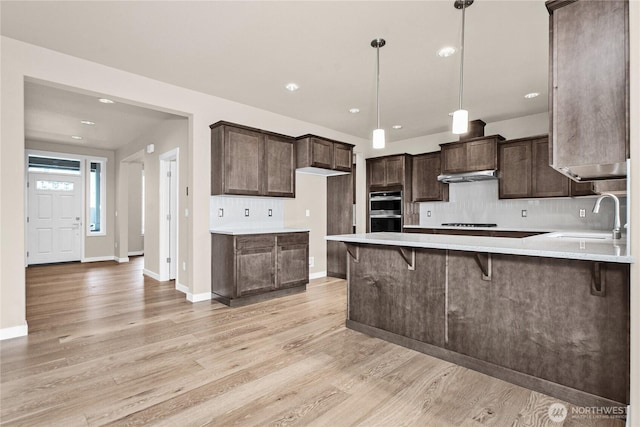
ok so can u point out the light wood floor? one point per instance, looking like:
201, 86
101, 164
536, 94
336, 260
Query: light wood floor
109, 347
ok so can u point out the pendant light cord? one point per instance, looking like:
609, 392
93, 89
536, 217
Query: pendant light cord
378, 84
462, 56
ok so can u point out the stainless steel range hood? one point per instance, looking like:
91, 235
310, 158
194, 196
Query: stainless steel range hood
468, 176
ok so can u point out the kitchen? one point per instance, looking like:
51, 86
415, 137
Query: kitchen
523, 213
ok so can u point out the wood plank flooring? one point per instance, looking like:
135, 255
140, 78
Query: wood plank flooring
107, 346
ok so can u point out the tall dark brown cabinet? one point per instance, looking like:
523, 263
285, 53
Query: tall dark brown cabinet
339, 221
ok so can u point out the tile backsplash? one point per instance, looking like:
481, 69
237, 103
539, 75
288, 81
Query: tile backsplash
234, 208
478, 202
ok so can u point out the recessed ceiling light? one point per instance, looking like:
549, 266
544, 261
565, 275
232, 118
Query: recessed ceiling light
292, 87
106, 101
531, 95
87, 122
446, 51
354, 110
397, 127
76, 137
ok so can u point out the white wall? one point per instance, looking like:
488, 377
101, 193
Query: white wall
135, 239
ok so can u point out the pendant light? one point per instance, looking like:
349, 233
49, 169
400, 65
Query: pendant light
460, 123
378, 133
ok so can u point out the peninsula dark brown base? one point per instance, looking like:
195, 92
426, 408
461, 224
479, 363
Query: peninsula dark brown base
559, 391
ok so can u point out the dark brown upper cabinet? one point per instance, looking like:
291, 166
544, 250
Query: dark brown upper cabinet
525, 171
251, 162
388, 171
424, 179
589, 88
317, 152
471, 155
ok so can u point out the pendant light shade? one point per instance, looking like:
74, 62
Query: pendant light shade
378, 133
460, 123
378, 138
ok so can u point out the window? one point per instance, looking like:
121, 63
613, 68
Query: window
96, 203
54, 165
54, 185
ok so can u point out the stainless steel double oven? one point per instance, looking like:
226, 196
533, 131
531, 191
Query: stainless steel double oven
385, 211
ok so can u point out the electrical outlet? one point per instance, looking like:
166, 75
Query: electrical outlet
184, 266
524, 213
220, 212
246, 212
311, 261
429, 214
186, 213
583, 213
270, 212
307, 212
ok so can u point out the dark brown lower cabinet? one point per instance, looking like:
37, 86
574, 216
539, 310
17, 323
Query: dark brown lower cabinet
254, 267
557, 326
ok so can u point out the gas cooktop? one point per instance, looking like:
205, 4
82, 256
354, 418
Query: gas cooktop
467, 224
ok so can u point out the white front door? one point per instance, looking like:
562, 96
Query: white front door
55, 218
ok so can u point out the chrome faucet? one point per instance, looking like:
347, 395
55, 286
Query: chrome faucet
616, 205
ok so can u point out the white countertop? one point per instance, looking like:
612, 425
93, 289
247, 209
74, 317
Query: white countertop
451, 227
543, 245
261, 230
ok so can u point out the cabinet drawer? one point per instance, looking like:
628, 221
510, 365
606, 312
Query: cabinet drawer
255, 241
293, 239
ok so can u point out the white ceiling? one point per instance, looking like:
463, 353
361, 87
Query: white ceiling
53, 114
247, 51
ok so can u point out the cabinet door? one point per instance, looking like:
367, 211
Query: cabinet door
280, 165
321, 153
377, 172
394, 171
454, 158
343, 157
425, 184
243, 153
481, 155
546, 181
255, 270
293, 265
589, 83
515, 170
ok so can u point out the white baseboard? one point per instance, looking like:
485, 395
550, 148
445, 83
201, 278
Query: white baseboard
205, 296
182, 288
135, 253
151, 274
317, 275
14, 332
99, 258
121, 260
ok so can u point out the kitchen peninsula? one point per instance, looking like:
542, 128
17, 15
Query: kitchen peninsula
549, 312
